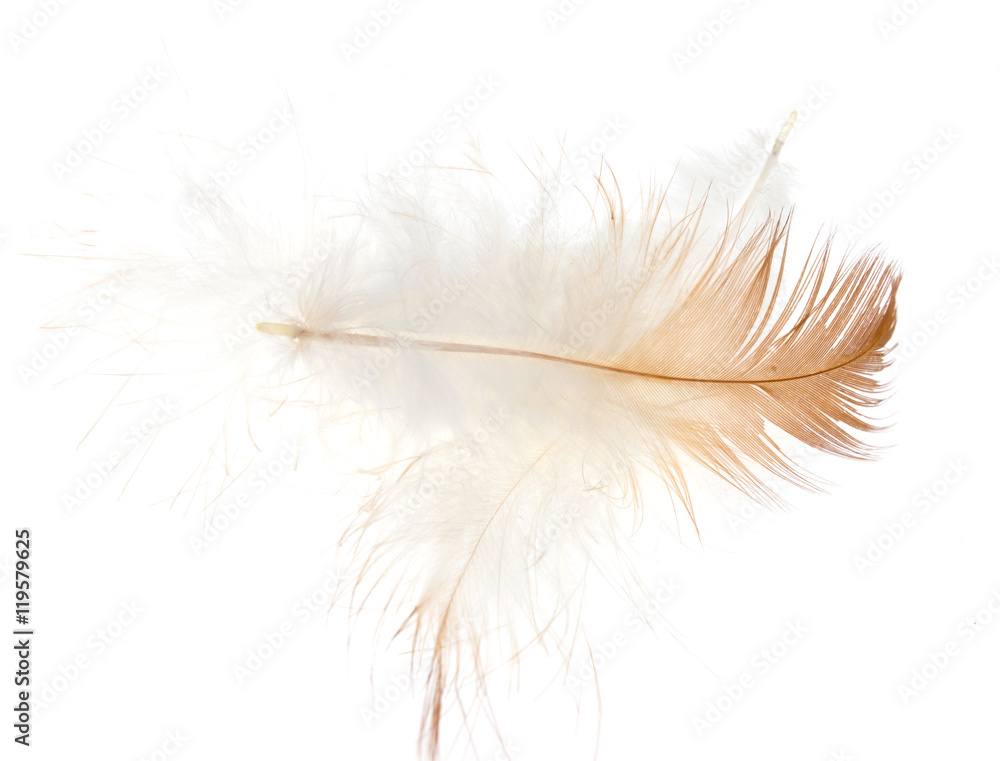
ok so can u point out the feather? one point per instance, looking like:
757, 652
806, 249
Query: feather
516, 393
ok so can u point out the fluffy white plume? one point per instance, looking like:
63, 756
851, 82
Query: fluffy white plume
513, 390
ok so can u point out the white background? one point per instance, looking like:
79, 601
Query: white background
876, 83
